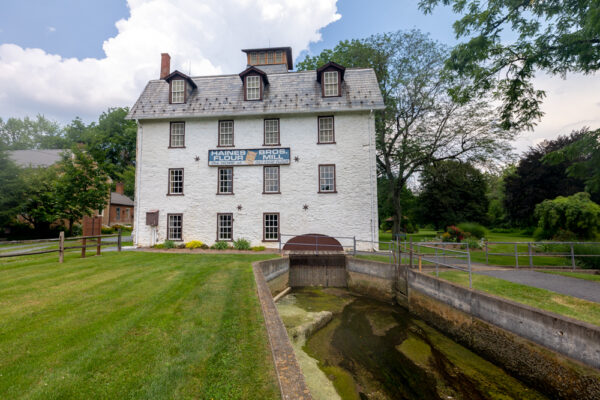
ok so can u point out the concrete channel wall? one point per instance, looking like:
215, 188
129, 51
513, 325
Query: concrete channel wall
527, 342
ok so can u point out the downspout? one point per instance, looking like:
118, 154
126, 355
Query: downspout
371, 162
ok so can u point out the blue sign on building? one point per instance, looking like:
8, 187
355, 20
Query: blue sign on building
276, 156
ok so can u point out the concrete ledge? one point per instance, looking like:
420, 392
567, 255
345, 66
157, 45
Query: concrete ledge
289, 375
513, 335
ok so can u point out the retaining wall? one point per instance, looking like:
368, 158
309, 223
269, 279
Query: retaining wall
276, 273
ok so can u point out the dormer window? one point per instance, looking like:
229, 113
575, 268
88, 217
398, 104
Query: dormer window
330, 82
181, 87
178, 91
330, 76
254, 81
253, 87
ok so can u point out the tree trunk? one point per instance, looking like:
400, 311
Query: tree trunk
71, 222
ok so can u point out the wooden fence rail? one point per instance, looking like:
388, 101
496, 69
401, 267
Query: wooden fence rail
62, 248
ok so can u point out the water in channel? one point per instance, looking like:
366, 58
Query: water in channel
352, 347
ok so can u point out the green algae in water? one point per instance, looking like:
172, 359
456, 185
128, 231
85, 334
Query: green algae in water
372, 350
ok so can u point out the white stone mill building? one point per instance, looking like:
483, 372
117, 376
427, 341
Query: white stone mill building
257, 155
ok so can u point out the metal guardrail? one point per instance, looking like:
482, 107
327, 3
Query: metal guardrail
531, 253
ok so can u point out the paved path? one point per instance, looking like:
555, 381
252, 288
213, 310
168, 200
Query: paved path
580, 288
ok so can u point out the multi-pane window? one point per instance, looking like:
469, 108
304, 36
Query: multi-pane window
253, 58
175, 222
326, 178
271, 226
177, 91
253, 87
176, 181
118, 213
225, 133
326, 133
279, 57
225, 181
127, 214
224, 226
271, 179
330, 81
271, 132
270, 57
177, 138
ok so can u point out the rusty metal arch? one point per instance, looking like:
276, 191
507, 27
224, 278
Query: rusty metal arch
313, 242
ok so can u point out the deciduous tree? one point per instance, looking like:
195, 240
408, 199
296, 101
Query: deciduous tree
553, 36
421, 123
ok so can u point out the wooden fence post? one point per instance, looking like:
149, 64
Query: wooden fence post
83, 242
61, 247
119, 241
98, 246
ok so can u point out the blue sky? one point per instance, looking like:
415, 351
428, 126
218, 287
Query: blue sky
76, 28
82, 56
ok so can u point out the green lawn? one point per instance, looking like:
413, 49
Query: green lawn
133, 326
540, 298
588, 277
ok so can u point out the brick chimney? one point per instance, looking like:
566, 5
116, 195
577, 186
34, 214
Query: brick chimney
119, 187
165, 65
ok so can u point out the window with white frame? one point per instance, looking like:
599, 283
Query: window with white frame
224, 226
175, 223
176, 181
177, 138
271, 179
326, 178
271, 226
330, 82
271, 132
253, 87
177, 91
326, 130
225, 133
118, 213
225, 181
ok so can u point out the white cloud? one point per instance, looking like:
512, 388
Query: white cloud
570, 104
205, 35
51, 29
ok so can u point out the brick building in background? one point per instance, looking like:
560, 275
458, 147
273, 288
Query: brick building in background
119, 208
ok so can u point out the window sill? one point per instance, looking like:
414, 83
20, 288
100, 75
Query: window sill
176, 240
174, 194
271, 192
224, 240
220, 145
333, 191
267, 145
225, 194
334, 95
326, 143
176, 147
270, 240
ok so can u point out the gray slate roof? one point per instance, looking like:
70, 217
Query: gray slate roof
290, 92
36, 158
121, 199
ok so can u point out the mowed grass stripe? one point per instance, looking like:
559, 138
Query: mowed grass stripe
147, 333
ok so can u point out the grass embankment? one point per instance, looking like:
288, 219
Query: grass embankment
579, 275
540, 298
133, 325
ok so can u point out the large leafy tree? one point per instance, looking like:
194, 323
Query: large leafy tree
10, 186
583, 160
32, 133
40, 206
82, 187
112, 140
453, 192
553, 36
534, 180
421, 123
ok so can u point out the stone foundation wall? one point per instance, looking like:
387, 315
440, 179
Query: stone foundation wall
276, 273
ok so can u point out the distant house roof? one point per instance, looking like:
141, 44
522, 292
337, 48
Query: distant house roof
120, 199
36, 158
